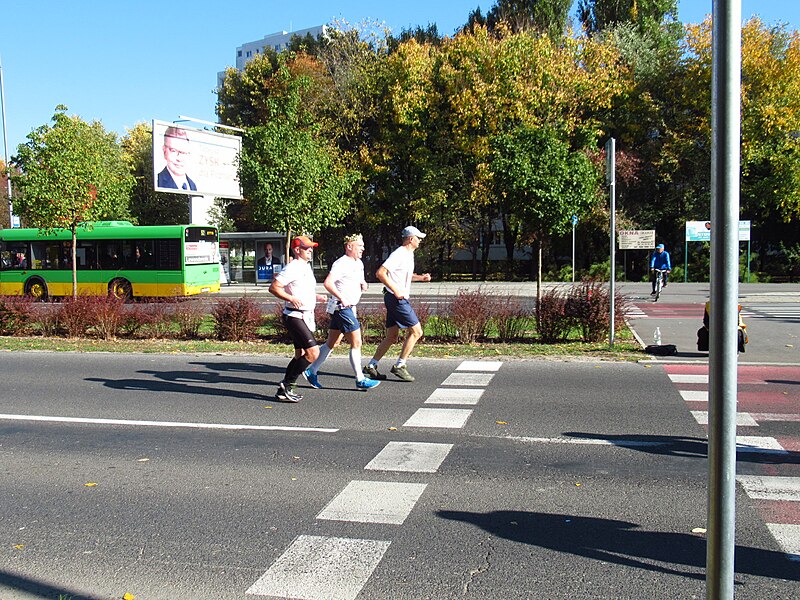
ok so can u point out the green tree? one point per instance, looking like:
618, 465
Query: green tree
71, 173
647, 15
542, 16
147, 206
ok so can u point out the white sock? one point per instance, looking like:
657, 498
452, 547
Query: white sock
400, 363
355, 362
373, 363
324, 351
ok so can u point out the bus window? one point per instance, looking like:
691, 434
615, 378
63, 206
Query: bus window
46, 255
14, 255
86, 255
110, 257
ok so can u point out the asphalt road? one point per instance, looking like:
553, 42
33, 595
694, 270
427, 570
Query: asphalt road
554, 480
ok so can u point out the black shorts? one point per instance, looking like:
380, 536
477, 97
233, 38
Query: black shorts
299, 332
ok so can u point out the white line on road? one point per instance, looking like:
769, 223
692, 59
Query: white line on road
373, 502
767, 487
589, 441
468, 379
448, 418
694, 395
688, 378
230, 426
754, 443
415, 457
788, 538
315, 567
743, 419
454, 396
480, 365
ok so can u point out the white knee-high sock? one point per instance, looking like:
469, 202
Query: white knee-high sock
324, 351
355, 362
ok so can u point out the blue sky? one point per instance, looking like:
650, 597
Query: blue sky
123, 62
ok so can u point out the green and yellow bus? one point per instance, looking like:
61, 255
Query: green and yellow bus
113, 257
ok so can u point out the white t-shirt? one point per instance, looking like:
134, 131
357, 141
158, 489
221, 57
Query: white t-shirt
348, 275
400, 268
298, 280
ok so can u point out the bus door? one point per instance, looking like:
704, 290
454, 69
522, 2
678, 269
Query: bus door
14, 261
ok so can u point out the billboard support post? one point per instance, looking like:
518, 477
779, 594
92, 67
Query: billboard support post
611, 179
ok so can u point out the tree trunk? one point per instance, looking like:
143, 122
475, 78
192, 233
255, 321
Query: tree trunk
74, 265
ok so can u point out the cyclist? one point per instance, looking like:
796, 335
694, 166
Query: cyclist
659, 260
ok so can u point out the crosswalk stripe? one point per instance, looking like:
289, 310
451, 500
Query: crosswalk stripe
688, 378
454, 396
480, 365
468, 379
321, 567
373, 502
743, 419
415, 457
788, 538
766, 487
447, 418
694, 395
754, 443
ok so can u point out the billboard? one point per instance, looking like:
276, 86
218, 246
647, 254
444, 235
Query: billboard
636, 239
700, 231
194, 161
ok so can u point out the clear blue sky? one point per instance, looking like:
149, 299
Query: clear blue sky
126, 62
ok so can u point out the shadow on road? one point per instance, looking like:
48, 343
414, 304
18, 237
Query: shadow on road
621, 543
692, 447
39, 588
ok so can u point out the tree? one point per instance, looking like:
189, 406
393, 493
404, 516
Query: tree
541, 16
71, 173
647, 15
147, 206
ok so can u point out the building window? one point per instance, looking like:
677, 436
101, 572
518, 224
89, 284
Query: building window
239, 54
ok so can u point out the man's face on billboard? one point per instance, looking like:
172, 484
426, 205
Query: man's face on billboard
267, 249
176, 153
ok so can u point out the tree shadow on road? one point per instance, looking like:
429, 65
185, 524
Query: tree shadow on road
14, 582
621, 543
691, 447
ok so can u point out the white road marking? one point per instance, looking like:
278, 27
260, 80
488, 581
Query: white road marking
468, 379
448, 418
454, 396
788, 538
789, 418
479, 365
766, 487
589, 441
231, 426
314, 567
373, 502
694, 395
415, 457
743, 419
688, 378
753, 443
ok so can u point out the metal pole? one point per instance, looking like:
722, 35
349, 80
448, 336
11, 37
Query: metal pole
612, 182
725, 157
573, 252
5, 145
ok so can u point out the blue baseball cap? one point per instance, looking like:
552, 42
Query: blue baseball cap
660, 247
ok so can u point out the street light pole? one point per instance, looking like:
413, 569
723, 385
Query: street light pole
5, 145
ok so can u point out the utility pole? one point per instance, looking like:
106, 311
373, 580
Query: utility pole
5, 145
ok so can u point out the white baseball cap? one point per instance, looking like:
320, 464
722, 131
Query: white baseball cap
411, 230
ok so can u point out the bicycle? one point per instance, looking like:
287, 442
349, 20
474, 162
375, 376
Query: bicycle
659, 282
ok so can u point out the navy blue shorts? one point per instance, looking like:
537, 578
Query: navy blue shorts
299, 332
344, 320
399, 312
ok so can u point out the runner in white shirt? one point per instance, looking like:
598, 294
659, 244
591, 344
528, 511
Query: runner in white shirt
345, 283
396, 273
296, 286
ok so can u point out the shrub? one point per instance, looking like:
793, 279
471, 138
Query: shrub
554, 320
373, 322
75, 315
134, 317
589, 304
509, 317
470, 313
236, 319
47, 318
106, 315
16, 315
441, 327
422, 311
158, 321
189, 317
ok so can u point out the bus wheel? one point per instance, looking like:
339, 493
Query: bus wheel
36, 288
120, 289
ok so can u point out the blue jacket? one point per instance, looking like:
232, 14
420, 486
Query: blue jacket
660, 261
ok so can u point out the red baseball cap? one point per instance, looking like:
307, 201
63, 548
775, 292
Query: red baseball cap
303, 242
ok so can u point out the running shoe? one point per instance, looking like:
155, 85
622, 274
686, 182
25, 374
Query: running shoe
285, 393
312, 378
367, 384
372, 373
402, 373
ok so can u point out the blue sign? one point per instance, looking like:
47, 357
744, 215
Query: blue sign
574, 220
